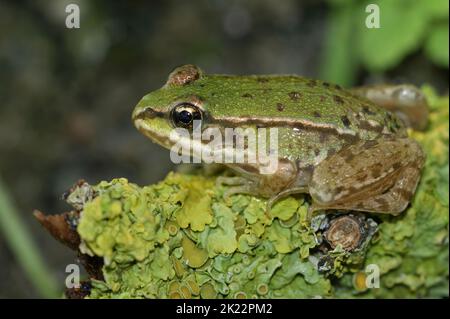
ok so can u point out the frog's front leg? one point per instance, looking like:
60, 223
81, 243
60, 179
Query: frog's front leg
378, 176
252, 181
405, 100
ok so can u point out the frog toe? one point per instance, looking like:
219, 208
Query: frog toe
239, 185
230, 181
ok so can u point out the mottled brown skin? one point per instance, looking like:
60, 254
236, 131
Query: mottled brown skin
392, 181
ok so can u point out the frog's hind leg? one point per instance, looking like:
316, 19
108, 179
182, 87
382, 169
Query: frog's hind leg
405, 100
290, 191
373, 176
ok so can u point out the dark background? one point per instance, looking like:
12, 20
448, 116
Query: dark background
66, 95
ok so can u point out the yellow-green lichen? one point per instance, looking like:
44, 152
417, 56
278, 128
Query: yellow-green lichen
181, 239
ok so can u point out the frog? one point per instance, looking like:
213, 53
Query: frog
348, 149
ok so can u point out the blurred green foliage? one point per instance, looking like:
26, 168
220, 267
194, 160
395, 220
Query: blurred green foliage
24, 248
406, 26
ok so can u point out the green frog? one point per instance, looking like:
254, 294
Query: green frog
348, 149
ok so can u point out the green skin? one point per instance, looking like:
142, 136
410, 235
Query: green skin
338, 145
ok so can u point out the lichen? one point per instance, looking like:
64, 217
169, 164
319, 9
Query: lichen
181, 238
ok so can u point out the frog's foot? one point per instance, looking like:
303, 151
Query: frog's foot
240, 185
405, 100
273, 186
374, 176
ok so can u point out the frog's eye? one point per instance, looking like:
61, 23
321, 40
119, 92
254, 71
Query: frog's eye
184, 115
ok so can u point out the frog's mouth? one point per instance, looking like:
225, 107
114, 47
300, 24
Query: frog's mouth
154, 124
149, 131
150, 123
178, 142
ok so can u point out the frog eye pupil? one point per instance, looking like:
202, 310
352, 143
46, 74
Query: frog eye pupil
183, 115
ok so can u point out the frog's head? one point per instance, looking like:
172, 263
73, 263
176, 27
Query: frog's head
172, 106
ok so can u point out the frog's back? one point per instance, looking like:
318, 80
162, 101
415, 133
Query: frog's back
291, 100
314, 118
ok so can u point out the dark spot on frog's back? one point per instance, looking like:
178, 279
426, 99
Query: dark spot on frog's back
345, 121
317, 114
312, 83
295, 96
326, 84
338, 99
247, 95
280, 107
